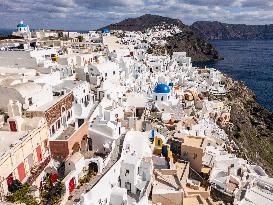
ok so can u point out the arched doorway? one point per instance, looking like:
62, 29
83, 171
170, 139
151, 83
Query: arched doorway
76, 147
93, 167
84, 144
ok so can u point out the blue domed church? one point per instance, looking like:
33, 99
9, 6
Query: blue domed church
161, 92
22, 30
105, 32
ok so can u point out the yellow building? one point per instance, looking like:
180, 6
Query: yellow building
161, 148
21, 151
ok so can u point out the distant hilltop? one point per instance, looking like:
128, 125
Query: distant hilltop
145, 22
214, 30
186, 40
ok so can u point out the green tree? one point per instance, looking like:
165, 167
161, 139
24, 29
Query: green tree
22, 196
80, 38
51, 193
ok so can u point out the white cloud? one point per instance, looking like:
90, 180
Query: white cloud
86, 14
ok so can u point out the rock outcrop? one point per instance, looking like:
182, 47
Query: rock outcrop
196, 47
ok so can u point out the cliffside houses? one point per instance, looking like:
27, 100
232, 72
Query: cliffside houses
117, 125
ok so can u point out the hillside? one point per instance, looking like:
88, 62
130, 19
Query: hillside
214, 30
252, 125
145, 22
187, 41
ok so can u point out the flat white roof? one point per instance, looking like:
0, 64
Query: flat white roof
9, 139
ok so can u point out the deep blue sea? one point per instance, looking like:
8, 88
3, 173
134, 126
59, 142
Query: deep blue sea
250, 61
5, 32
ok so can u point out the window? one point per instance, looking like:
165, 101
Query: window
105, 74
63, 109
194, 156
158, 142
126, 172
58, 124
30, 101
53, 130
162, 98
155, 97
68, 115
114, 72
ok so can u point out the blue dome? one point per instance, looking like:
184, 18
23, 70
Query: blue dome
21, 25
162, 88
105, 30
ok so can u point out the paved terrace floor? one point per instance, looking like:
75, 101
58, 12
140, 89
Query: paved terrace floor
69, 130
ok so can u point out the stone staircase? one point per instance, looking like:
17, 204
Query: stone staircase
75, 197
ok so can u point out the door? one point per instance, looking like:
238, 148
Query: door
87, 77
128, 186
165, 151
93, 167
21, 172
12, 125
80, 122
89, 140
10, 180
39, 153
71, 185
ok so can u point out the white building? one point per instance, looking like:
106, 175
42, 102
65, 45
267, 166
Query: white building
136, 166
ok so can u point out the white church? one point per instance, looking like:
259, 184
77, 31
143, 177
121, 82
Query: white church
22, 30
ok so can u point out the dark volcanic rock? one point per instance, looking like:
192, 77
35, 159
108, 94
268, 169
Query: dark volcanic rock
196, 47
187, 41
217, 30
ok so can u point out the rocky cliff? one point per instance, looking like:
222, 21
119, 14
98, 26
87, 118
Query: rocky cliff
213, 30
252, 126
195, 46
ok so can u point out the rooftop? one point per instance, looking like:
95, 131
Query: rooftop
8, 140
70, 129
162, 88
166, 181
193, 141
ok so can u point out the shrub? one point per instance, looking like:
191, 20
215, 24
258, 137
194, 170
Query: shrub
22, 196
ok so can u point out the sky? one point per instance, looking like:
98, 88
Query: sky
91, 14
